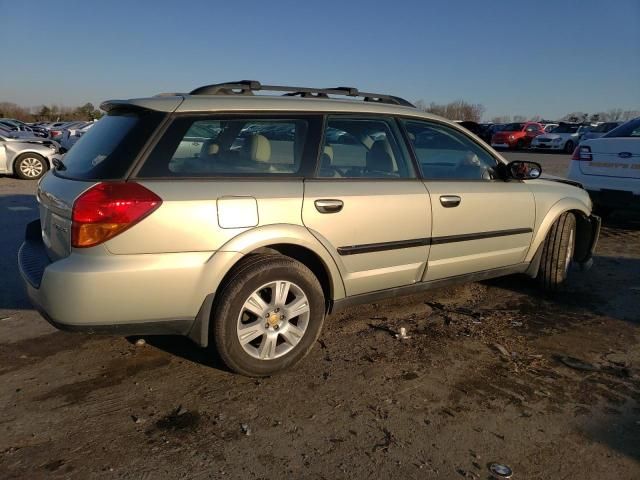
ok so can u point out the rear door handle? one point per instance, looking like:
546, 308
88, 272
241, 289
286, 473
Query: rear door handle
328, 206
449, 201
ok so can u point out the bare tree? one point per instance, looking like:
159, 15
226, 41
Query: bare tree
629, 114
457, 110
501, 119
519, 118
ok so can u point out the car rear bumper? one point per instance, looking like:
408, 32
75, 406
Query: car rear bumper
120, 294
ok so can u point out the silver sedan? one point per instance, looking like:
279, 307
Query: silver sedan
28, 158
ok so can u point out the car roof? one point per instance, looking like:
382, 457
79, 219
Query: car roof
266, 103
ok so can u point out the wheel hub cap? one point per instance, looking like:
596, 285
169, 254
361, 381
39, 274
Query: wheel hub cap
273, 320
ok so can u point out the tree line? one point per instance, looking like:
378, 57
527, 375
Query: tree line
465, 111
49, 113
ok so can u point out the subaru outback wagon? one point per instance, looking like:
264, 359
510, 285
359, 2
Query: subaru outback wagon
243, 220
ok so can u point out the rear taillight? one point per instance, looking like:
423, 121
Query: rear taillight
108, 209
55, 133
582, 154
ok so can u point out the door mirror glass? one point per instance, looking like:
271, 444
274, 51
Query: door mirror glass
521, 170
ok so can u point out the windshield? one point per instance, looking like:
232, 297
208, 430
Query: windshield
565, 129
108, 149
512, 127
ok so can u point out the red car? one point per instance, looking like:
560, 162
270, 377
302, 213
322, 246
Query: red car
516, 135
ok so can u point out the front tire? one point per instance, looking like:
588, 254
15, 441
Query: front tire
520, 144
557, 253
30, 166
569, 147
268, 315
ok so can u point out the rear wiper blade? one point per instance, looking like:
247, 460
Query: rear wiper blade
57, 163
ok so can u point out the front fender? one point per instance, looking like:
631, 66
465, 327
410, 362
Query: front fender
557, 209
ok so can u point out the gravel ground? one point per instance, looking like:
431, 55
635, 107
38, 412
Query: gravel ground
492, 372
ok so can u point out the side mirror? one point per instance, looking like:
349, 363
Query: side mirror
523, 170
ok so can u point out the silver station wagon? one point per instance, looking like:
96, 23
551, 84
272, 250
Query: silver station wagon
242, 219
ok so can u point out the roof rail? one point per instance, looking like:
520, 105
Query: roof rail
248, 87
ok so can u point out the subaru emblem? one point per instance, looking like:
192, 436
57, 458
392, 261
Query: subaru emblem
625, 154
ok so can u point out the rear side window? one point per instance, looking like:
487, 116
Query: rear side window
109, 148
363, 148
229, 147
629, 129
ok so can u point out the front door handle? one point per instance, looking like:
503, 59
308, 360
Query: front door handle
328, 206
449, 201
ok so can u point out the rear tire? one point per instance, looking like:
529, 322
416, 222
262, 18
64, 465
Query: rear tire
279, 328
557, 253
30, 166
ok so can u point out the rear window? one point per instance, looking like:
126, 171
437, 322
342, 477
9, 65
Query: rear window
629, 129
109, 148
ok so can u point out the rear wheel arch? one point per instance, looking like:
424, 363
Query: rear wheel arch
299, 245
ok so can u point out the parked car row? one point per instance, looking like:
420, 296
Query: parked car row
543, 135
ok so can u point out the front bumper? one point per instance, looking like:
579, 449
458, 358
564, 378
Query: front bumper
547, 146
587, 240
120, 294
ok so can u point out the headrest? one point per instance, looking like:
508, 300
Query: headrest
213, 149
380, 157
257, 148
328, 151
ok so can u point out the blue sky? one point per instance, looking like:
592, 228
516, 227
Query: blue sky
517, 57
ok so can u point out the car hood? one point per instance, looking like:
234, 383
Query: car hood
555, 178
34, 140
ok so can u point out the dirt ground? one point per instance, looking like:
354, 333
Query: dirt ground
492, 372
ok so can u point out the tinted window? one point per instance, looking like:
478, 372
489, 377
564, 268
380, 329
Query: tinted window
444, 153
532, 128
229, 146
363, 148
629, 129
108, 149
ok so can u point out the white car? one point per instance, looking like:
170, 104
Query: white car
609, 168
564, 137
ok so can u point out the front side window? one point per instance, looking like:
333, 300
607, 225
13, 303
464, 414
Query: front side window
363, 148
446, 154
229, 147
